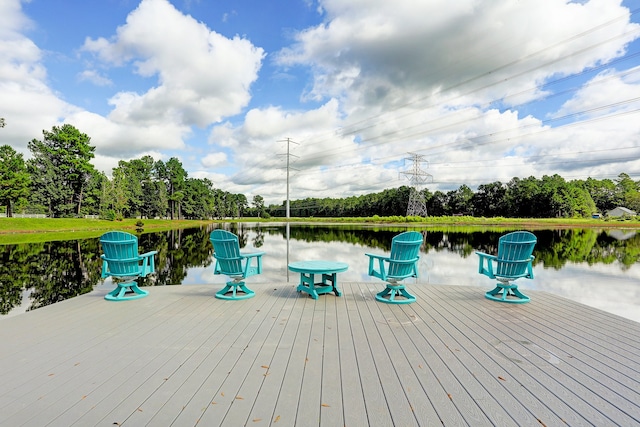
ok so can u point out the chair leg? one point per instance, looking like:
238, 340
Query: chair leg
126, 291
238, 291
504, 290
389, 294
516, 292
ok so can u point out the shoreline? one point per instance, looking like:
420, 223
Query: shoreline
36, 230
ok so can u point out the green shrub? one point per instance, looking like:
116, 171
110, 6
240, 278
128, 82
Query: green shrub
109, 215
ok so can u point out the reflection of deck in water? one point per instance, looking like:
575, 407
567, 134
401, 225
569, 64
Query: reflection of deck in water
453, 357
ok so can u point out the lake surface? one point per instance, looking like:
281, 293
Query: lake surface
600, 268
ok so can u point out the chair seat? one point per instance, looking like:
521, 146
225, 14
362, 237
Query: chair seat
234, 264
400, 264
513, 261
122, 262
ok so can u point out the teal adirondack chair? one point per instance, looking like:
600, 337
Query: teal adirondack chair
514, 260
402, 263
122, 262
232, 263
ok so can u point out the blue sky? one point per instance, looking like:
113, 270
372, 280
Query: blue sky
482, 90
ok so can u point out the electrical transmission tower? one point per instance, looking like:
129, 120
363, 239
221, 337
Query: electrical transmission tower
417, 178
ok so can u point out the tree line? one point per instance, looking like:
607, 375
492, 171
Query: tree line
60, 181
548, 197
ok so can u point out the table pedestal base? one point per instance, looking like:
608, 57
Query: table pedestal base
308, 285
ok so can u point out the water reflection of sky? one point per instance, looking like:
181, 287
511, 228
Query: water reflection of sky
607, 287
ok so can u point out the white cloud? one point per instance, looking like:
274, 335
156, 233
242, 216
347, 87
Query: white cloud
12, 20
94, 77
425, 76
379, 51
214, 159
606, 93
450, 80
26, 102
321, 161
202, 76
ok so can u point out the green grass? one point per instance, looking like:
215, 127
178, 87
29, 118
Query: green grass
481, 221
35, 230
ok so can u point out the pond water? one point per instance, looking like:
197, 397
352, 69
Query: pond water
600, 268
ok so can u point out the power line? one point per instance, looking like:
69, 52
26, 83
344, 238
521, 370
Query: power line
403, 135
357, 129
425, 128
492, 137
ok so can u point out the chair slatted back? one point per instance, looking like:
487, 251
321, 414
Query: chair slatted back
514, 253
121, 252
405, 247
226, 250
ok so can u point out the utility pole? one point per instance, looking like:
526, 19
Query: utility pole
417, 178
288, 141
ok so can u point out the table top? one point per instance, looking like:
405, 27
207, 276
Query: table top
318, 266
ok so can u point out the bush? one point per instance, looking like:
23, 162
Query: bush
109, 215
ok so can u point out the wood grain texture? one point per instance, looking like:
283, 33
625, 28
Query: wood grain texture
182, 357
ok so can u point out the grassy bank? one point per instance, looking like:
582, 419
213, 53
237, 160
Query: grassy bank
31, 230
482, 222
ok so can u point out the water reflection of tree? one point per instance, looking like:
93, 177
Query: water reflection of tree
55, 271
258, 241
62, 270
178, 250
609, 249
369, 237
14, 275
555, 248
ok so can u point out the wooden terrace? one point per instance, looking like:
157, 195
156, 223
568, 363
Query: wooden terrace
181, 357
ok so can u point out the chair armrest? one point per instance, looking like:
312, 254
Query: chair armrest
381, 272
148, 263
530, 267
252, 254
249, 270
488, 269
105, 266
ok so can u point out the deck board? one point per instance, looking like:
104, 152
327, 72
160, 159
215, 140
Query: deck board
182, 357
264, 407
413, 398
156, 374
577, 382
351, 385
372, 387
483, 376
507, 368
460, 383
384, 357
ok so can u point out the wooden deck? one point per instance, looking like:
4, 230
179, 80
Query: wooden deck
181, 357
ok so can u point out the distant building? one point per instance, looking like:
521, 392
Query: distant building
621, 234
620, 211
